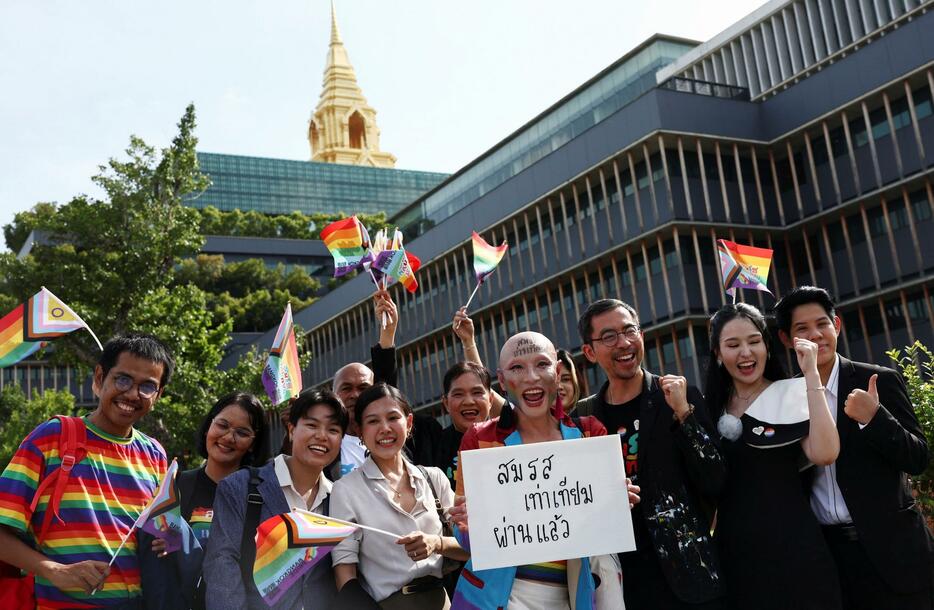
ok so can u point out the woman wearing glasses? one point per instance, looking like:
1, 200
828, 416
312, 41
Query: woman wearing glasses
232, 436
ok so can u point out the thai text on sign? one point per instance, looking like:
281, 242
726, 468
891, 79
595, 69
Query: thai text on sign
546, 502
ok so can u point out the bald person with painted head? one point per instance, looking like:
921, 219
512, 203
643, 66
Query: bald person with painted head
528, 373
352, 379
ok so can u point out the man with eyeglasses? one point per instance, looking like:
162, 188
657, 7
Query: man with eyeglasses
669, 451
107, 488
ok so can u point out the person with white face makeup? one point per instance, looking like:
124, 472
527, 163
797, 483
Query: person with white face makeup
390, 493
528, 373
771, 547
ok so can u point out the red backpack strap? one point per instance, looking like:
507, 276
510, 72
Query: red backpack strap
72, 447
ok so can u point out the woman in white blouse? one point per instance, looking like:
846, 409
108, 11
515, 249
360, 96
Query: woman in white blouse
390, 493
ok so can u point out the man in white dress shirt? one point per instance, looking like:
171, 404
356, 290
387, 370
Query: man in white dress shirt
877, 535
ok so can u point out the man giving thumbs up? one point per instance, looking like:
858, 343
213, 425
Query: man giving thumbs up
879, 540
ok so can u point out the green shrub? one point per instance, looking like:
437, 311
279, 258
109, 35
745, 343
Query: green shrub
917, 367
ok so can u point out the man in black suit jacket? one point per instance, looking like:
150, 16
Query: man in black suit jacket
670, 451
873, 527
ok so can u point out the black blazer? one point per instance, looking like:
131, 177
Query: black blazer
679, 467
872, 472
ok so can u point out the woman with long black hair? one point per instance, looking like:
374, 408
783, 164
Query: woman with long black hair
771, 547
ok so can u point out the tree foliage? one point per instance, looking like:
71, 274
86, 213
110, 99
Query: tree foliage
916, 365
291, 226
20, 415
106, 254
115, 260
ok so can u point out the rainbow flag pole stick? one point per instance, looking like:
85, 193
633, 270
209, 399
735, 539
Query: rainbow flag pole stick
475, 289
350, 523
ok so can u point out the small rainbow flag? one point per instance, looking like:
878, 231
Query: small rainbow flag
347, 242
400, 265
290, 544
743, 266
162, 517
282, 375
29, 326
486, 257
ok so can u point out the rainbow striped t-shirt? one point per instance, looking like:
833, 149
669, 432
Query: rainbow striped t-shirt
105, 494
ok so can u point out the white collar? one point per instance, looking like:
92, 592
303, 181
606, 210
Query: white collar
833, 382
285, 479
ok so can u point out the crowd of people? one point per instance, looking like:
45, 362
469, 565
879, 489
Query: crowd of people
761, 491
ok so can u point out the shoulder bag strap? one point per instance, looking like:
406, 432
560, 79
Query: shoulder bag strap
72, 447
254, 504
445, 526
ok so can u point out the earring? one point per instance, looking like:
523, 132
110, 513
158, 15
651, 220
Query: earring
719, 362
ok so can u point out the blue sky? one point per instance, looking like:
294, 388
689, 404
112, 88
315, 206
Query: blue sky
449, 79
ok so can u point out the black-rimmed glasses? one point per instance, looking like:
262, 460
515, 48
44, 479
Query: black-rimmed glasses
611, 337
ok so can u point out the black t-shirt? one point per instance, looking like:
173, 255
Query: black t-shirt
197, 506
449, 445
623, 419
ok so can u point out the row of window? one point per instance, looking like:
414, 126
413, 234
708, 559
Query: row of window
615, 203
798, 38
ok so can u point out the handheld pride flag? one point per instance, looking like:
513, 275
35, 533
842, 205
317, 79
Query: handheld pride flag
485, 260
347, 242
31, 325
162, 517
282, 375
399, 265
290, 544
485, 256
743, 266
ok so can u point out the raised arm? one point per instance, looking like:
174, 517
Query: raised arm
383, 354
822, 444
464, 330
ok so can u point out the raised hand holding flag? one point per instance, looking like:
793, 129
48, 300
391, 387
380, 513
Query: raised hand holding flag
485, 260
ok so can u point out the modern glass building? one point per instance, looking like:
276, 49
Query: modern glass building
279, 186
807, 128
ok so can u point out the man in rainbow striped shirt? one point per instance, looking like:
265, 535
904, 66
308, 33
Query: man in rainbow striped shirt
107, 489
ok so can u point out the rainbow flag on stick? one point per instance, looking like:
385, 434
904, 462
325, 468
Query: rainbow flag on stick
290, 544
282, 376
743, 267
31, 325
347, 241
486, 257
400, 265
162, 517
485, 260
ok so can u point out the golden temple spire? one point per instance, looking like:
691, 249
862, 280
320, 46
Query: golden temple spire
343, 127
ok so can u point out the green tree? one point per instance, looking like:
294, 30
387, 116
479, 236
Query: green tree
917, 367
107, 254
20, 415
113, 260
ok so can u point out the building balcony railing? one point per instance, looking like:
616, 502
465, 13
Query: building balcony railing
701, 87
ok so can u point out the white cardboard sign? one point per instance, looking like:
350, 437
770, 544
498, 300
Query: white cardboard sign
546, 502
